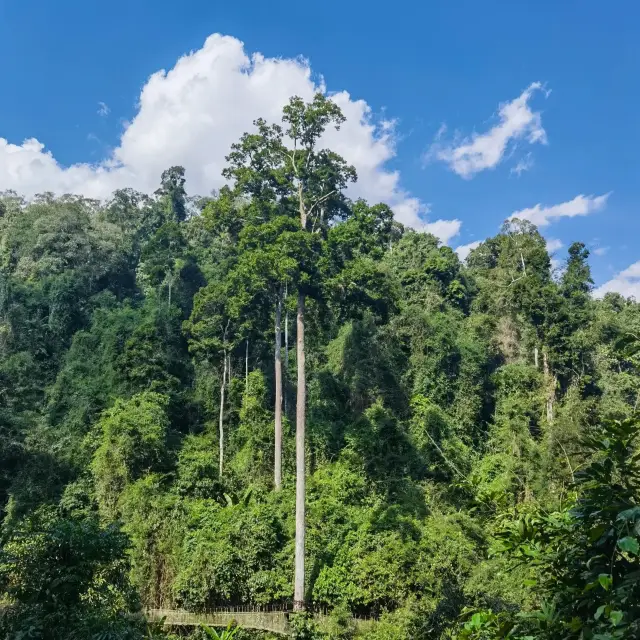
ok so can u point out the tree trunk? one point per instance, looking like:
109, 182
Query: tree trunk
535, 356
552, 398
221, 422
551, 382
246, 366
286, 350
278, 409
303, 211
299, 582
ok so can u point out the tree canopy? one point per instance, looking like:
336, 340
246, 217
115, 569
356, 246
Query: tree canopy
278, 395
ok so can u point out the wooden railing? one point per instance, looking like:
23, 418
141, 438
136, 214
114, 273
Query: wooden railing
260, 618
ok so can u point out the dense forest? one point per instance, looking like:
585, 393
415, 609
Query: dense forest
275, 395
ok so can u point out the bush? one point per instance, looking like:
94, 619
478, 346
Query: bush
66, 579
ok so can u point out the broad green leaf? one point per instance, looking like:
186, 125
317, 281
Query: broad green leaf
630, 545
605, 581
629, 514
616, 617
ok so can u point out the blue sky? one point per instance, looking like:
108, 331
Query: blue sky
409, 68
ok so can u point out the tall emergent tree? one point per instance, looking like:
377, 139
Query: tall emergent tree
284, 170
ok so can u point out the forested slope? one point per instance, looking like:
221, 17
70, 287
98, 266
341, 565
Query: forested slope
470, 440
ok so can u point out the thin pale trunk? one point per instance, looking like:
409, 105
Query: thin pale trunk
286, 350
535, 356
221, 422
298, 595
301, 401
229, 373
551, 382
278, 409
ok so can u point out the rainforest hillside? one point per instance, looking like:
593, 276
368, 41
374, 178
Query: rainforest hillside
462, 435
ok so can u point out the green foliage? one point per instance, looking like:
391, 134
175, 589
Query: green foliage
197, 469
132, 443
471, 451
303, 627
230, 554
66, 578
253, 439
226, 634
585, 560
487, 625
172, 194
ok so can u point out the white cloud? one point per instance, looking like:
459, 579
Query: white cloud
600, 251
191, 114
557, 266
482, 151
103, 109
580, 206
465, 249
553, 244
524, 164
626, 282
443, 229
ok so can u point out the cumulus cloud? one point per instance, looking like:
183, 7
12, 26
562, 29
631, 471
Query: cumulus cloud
465, 249
553, 244
191, 114
480, 151
581, 205
443, 229
626, 282
103, 109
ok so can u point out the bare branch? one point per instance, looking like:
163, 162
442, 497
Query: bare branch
321, 199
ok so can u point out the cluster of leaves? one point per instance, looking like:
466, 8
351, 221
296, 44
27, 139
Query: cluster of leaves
583, 562
66, 578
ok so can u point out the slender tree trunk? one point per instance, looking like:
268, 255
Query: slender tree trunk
286, 351
229, 373
278, 409
301, 401
535, 356
221, 422
551, 382
299, 582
